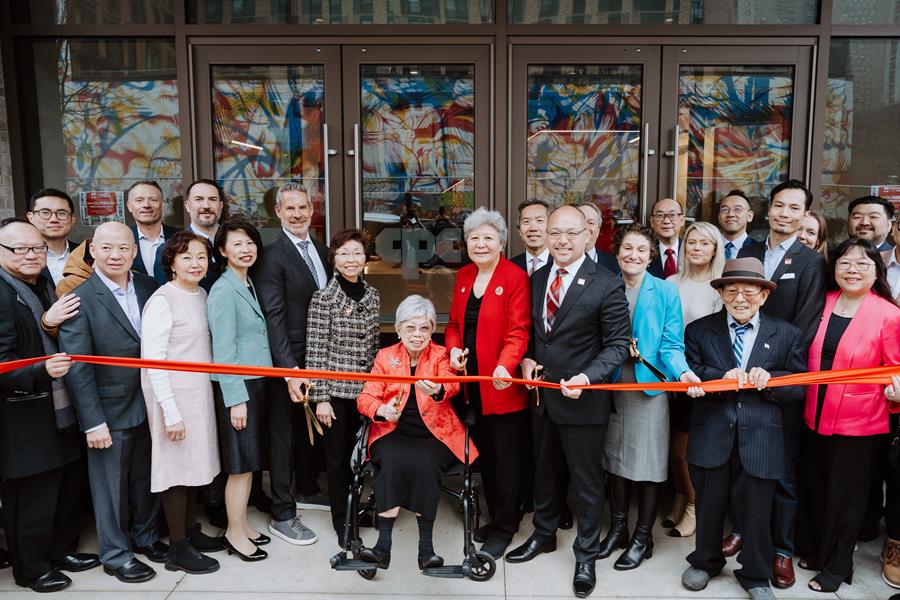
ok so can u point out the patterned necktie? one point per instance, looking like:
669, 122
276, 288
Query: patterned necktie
669, 267
553, 298
533, 267
738, 346
729, 250
304, 252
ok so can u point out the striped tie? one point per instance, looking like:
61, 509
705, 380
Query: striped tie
304, 252
738, 346
553, 298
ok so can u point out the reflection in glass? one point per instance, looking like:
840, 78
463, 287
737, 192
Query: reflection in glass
865, 12
417, 125
313, 12
93, 12
267, 130
664, 12
584, 141
862, 125
735, 125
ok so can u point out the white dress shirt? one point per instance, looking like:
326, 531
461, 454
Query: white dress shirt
662, 253
148, 247
893, 274
533, 263
774, 257
56, 263
749, 337
321, 275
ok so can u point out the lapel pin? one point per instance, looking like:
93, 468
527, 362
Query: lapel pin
395, 363
348, 311
462, 291
581, 281
499, 290
766, 346
788, 261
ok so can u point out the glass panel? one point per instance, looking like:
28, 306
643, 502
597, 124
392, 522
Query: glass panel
665, 12
313, 12
418, 167
865, 12
267, 130
108, 116
862, 125
94, 12
735, 133
583, 138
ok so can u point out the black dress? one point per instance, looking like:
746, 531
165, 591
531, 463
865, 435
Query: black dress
410, 463
836, 474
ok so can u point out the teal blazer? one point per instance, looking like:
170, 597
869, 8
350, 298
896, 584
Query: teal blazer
658, 326
239, 335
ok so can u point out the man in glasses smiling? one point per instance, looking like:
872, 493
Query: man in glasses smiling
52, 212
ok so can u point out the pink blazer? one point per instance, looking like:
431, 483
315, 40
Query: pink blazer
872, 340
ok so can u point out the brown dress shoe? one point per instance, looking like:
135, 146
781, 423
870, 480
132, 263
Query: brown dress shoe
890, 562
783, 572
732, 545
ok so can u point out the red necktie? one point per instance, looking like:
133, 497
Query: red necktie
669, 267
553, 298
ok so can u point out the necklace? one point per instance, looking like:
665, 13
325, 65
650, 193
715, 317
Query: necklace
845, 307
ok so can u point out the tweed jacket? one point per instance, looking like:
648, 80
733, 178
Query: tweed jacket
341, 335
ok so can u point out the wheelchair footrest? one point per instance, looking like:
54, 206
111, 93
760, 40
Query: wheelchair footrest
341, 562
450, 571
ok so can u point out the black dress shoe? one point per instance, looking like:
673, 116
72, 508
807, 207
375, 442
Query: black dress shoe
495, 547
204, 543
382, 560
530, 549
51, 581
565, 519
5, 563
585, 579
77, 562
156, 552
482, 534
134, 571
258, 554
430, 562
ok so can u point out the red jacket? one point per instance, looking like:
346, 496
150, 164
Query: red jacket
504, 324
872, 340
438, 416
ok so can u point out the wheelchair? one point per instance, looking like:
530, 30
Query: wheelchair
476, 565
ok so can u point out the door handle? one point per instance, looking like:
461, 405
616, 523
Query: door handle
356, 176
675, 163
326, 193
332, 151
645, 159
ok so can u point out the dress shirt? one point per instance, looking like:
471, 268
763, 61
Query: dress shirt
749, 337
531, 266
201, 233
321, 275
157, 323
893, 274
56, 263
774, 257
148, 248
662, 252
737, 243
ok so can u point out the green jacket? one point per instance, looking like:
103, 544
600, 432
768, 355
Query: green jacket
239, 335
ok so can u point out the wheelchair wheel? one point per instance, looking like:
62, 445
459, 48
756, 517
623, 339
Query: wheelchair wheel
367, 573
483, 567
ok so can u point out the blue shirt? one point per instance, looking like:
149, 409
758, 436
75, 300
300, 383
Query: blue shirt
749, 337
774, 257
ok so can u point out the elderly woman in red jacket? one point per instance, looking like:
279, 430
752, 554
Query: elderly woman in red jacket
844, 422
415, 435
487, 333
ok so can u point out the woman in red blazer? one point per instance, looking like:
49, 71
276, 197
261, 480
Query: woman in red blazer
488, 329
845, 423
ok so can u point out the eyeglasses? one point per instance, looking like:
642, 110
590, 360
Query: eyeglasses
730, 294
732, 210
555, 234
663, 217
846, 265
345, 255
45, 213
23, 250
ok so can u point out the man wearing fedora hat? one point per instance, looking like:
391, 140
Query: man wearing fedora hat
736, 450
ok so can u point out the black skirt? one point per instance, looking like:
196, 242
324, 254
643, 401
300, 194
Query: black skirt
246, 450
408, 472
680, 408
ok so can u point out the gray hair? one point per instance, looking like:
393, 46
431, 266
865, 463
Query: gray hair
483, 216
291, 186
415, 306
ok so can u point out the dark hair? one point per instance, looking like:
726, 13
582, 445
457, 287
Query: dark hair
236, 223
178, 244
739, 194
344, 236
881, 286
525, 204
885, 204
637, 229
51, 192
792, 184
223, 216
149, 182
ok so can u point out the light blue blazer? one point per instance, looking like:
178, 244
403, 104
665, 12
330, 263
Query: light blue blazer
659, 328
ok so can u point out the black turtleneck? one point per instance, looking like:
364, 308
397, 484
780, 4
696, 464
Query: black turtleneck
354, 290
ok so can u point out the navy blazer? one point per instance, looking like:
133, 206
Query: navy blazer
139, 266
657, 265
754, 416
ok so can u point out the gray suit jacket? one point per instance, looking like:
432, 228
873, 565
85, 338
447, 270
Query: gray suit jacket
102, 393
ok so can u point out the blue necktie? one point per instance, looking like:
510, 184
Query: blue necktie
729, 250
738, 346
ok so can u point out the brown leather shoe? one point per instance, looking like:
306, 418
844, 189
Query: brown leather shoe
783, 572
732, 545
890, 562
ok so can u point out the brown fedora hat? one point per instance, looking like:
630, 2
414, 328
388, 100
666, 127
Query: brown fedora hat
743, 270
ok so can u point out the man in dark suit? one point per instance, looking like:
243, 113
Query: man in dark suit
870, 218
144, 200
594, 220
532, 225
110, 405
735, 215
581, 330
667, 221
293, 267
799, 299
52, 212
736, 450
40, 450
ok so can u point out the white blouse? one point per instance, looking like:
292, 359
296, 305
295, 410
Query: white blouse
156, 326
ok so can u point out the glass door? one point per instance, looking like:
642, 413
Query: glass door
416, 161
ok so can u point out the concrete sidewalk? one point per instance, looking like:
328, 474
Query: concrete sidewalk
304, 572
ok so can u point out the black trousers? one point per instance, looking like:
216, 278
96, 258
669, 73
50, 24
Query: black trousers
281, 450
581, 448
500, 442
42, 517
751, 499
338, 444
884, 500
309, 459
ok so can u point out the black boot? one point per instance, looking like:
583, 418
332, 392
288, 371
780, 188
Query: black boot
616, 538
184, 557
641, 547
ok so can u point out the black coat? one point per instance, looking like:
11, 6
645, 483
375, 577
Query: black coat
30, 443
590, 335
657, 265
139, 266
754, 416
285, 286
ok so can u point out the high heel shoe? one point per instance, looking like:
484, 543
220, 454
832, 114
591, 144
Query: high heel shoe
261, 539
676, 512
829, 582
257, 555
688, 524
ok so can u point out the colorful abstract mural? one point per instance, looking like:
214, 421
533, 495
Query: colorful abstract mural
838, 147
583, 137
